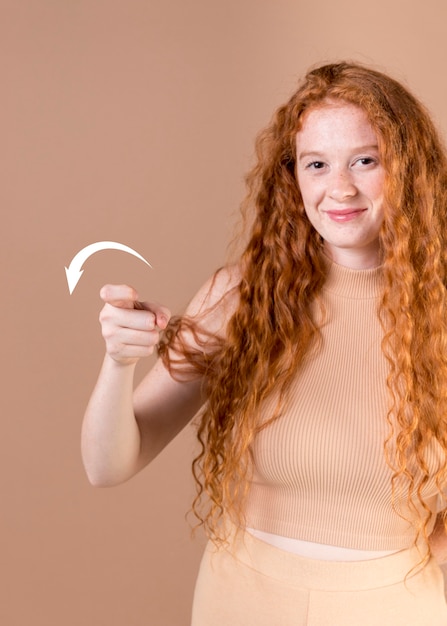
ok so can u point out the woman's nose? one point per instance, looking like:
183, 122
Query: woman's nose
341, 186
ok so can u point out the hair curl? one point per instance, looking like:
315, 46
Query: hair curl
281, 276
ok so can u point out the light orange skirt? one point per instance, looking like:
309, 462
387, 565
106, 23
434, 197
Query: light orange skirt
256, 584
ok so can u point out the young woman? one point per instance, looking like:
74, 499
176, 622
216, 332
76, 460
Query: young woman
320, 362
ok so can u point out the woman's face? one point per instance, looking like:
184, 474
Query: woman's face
341, 181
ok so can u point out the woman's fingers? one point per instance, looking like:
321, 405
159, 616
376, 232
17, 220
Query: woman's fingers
122, 296
161, 313
126, 297
128, 318
130, 328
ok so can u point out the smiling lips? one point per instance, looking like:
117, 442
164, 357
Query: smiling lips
344, 215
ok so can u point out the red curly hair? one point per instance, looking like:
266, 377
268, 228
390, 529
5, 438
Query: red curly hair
281, 276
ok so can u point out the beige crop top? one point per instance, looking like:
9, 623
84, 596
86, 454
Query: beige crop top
319, 470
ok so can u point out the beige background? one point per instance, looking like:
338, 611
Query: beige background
134, 121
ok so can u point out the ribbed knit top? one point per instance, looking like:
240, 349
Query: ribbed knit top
320, 472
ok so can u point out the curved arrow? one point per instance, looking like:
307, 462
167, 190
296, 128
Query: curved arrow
74, 271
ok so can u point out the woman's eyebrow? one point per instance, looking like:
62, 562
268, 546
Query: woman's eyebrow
315, 153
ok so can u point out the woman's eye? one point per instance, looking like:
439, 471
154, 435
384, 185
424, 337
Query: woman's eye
315, 165
366, 160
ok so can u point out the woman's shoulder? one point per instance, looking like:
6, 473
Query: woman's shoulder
217, 300
219, 291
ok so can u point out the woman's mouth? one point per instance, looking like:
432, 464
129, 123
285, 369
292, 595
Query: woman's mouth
344, 215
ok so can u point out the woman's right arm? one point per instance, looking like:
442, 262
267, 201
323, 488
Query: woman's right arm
123, 429
120, 434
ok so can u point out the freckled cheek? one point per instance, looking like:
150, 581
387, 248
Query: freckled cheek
377, 197
311, 194
380, 187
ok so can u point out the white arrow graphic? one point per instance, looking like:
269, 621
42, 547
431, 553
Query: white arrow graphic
74, 271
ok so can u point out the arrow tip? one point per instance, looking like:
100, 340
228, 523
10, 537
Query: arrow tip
73, 276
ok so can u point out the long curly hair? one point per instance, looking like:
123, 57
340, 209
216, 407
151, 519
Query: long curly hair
281, 273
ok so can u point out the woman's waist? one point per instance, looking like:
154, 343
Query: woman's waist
319, 551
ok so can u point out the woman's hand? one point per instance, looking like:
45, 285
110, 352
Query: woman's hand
131, 329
